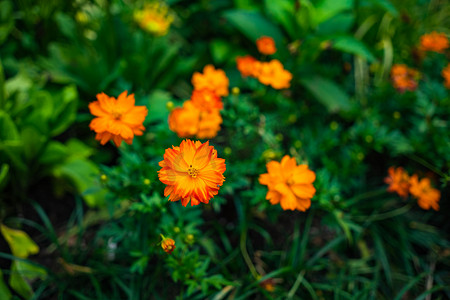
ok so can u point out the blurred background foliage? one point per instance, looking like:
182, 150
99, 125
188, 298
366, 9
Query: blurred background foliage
95, 214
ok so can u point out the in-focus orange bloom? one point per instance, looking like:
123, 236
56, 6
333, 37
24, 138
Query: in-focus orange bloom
398, 180
167, 244
434, 41
245, 65
184, 121
117, 120
206, 100
266, 45
427, 196
212, 79
192, 172
404, 78
446, 75
272, 73
289, 184
154, 18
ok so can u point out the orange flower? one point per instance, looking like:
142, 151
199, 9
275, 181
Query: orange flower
446, 75
167, 244
398, 181
427, 196
434, 41
209, 124
189, 121
404, 78
184, 120
272, 73
213, 79
192, 172
266, 45
206, 100
245, 65
117, 120
289, 184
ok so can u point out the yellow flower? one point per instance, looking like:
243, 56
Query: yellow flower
154, 18
289, 184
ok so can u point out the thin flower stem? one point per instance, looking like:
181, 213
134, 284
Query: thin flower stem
296, 284
366, 195
387, 215
426, 164
244, 252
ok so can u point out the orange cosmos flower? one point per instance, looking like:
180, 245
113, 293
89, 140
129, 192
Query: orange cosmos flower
209, 124
289, 184
206, 100
272, 73
266, 45
117, 120
154, 18
427, 196
245, 65
192, 172
434, 41
404, 78
167, 244
213, 79
446, 75
398, 181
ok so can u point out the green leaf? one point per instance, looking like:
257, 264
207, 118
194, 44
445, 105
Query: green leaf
220, 50
65, 110
4, 170
327, 9
281, 11
21, 274
8, 130
328, 93
387, 5
6, 20
2, 86
5, 293
19, 242
157, 109
66, 24
253, 25
351, 45
340, 23
54, 153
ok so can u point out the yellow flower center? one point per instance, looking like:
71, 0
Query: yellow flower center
193, 172
116, 115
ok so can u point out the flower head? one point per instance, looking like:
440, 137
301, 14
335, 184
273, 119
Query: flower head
398, 180
427, 196
266, 45
167, 244
213, 79
154, 18
206, 100
209, 124
272, 73
289, 184
446, 75
434, 41
117, 120
404, 78
245, 65
192, 172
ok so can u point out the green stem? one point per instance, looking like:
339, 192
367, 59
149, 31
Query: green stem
248, 261
427, 165
366, 195
387, 215
296, 284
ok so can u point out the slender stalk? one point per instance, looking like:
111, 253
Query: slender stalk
426, 164
248, 261
296, 284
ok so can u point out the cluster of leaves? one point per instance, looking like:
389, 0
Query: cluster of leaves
341, 116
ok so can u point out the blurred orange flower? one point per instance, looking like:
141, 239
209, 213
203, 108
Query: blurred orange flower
434, 41
167, 244
245, 65
206, 100
289, 184
428, 197
266, 45
404, 78
192, 172
398, 180
272, 73
184, 121
209, 124
154, 18
213, 79
446, 75
117, 120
